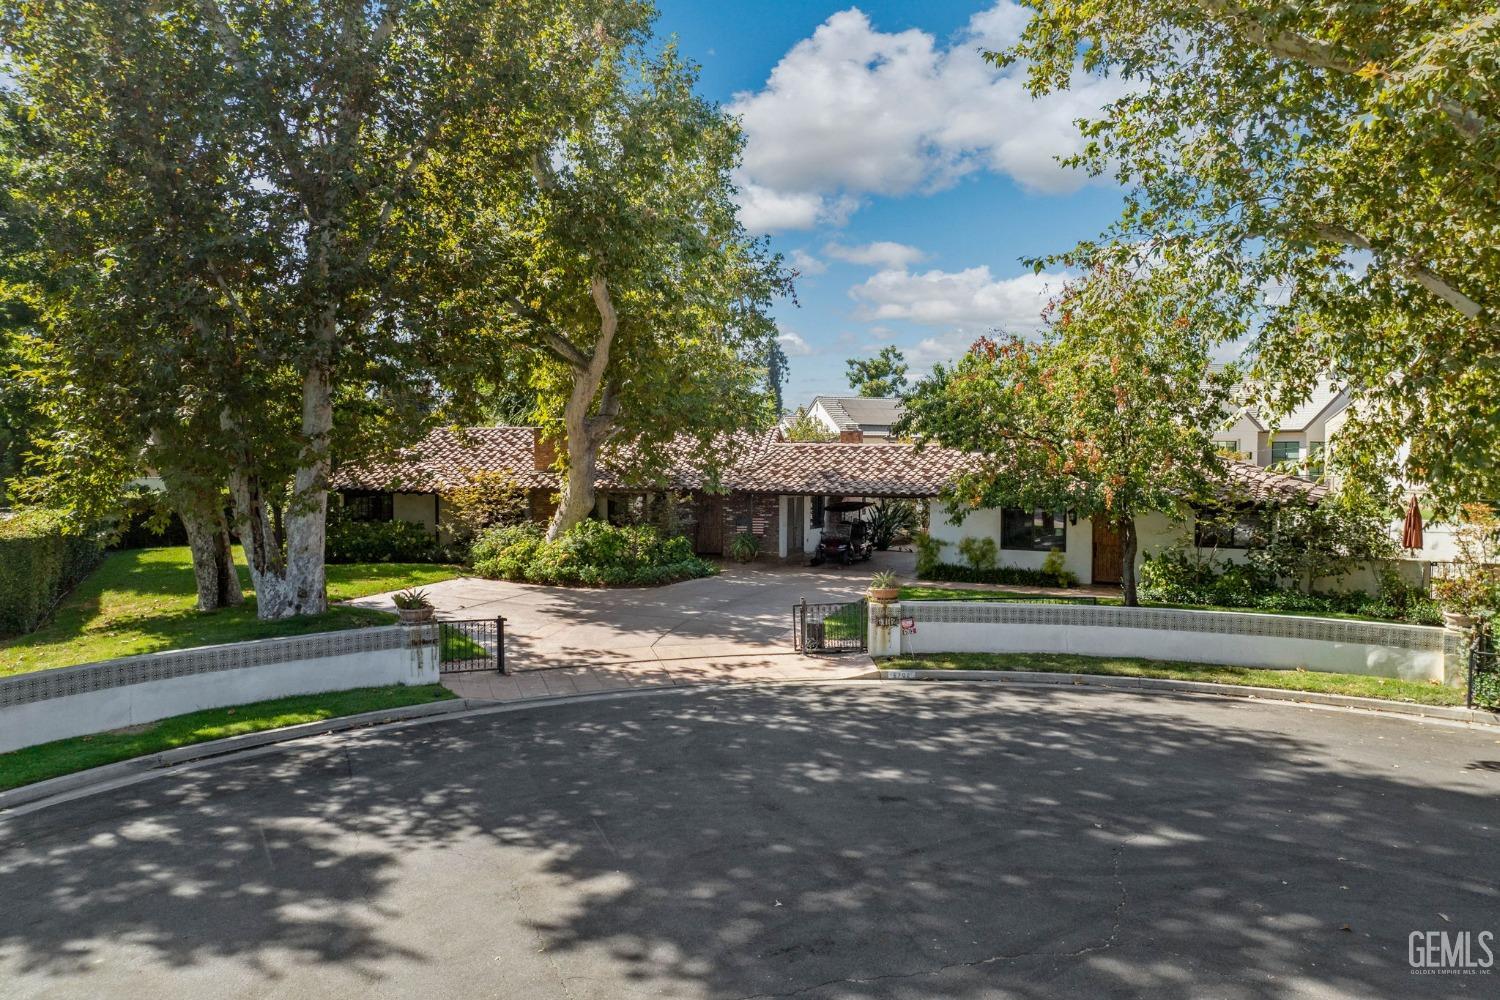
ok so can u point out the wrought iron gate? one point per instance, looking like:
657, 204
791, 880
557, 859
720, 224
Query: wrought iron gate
830, 628
469, 646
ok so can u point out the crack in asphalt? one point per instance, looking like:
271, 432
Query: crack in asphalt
1105, 945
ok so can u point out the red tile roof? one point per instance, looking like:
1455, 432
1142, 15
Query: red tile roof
746, 462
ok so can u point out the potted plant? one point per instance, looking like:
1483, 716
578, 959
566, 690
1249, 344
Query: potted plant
884, 587
413, 606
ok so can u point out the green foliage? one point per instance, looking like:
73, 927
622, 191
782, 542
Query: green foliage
884, 580
929, 552
1304, 543
485, 500
1487, 689
591, 553
744, 547
980, 553
1005, 575
882, 375
394, 541
411, 599
1110, 415
1471, 585
802, 427
41, 558
1054, 563
1176, 577
1343, 152
892, 521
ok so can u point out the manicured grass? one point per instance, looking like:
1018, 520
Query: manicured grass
1357, 685
939, 592
49, 760
141, 601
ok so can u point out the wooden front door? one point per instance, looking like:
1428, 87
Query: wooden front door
796, 518
710, 534
1109, 554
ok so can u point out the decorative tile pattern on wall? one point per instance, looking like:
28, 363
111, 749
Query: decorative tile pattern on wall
1416, 637
44, 685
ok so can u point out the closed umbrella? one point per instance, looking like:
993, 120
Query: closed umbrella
1411, 532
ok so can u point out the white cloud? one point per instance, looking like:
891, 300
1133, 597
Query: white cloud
883, 254
853, 111
805, 263
793, 344
972, 298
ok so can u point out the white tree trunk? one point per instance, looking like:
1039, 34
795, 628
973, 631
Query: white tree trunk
586, 432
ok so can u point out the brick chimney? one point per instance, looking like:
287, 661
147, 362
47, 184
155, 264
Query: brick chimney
543, 451
852, 437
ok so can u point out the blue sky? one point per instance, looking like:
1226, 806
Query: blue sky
904, 175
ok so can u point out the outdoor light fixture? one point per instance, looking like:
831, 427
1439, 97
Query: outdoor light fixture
1073, 518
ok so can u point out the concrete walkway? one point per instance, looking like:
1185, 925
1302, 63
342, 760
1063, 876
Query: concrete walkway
736, 627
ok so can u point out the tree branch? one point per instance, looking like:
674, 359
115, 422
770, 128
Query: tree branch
1422, 275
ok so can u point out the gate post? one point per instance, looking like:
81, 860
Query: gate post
799, 641
885, 628
500, 644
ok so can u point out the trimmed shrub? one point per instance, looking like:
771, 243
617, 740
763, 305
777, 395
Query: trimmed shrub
1005, 575
383, 541
1175, 578
929, 553
591, 554
980, 553
40, 561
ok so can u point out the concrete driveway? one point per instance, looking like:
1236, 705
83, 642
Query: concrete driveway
737, 625
823, 842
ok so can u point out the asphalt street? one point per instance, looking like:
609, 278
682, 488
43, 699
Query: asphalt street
832, 841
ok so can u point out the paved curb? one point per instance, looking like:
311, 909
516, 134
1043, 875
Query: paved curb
111, 773
1445, 713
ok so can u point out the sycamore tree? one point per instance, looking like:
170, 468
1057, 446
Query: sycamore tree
882, 375
1345, 154
1111, 415
618, 262
242, 208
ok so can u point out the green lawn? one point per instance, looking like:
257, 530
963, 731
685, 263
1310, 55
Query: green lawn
941, 592
1420, 692
49, 760
141, 601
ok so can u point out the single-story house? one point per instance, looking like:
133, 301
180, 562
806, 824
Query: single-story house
778, 491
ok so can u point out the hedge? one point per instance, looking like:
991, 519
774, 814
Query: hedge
590, 554
1008, 575
40, 561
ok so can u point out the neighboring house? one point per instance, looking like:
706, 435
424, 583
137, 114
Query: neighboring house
857, 419
779, 491
1299, 436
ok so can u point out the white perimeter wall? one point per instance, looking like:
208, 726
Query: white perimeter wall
1410, 652
77, 701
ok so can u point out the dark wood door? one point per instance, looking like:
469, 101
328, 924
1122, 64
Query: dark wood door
710, 540
796, 518
1109, 555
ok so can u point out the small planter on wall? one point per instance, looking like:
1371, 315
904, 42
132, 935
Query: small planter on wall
884, 588
1458, 621
415, 616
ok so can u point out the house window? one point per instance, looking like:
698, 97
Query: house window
1230, 447
1315, 458
1219, 530
1285, 451
367, 505
817, 512
1033, 530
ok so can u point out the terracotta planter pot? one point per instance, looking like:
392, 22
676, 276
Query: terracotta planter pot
884, 595
415, 616
1457, 620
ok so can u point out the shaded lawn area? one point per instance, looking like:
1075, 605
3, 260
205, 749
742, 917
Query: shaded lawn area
1357, 685
50, 760
945, 592
141, 601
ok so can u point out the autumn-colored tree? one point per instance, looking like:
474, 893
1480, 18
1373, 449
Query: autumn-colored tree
1111, 415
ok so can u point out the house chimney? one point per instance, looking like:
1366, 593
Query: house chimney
852, 437
543, 451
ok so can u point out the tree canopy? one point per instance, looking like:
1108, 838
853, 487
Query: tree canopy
1347, 156
882, 375
1110, 416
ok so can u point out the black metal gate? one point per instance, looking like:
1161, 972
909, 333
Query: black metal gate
469, 646
830, 628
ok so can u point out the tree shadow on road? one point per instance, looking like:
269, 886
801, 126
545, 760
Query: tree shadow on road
839, 841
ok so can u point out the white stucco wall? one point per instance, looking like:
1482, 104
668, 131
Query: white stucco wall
1078, 555
1410, 652
219, 684
419, 508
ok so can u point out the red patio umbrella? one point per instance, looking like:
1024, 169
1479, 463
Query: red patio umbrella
1411, 532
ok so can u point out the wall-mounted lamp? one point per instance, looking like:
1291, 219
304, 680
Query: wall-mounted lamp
1073, 518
